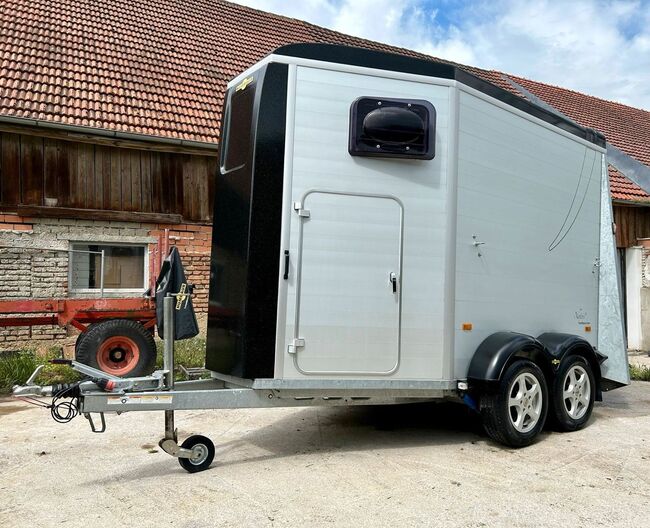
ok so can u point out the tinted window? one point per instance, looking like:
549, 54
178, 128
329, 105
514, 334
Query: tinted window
239, 133
392, 128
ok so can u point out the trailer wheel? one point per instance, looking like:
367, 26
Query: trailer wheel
515, 414
204, 454
120, 347
573, 394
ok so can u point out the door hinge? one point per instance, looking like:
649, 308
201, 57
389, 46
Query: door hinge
295, 345
301, 212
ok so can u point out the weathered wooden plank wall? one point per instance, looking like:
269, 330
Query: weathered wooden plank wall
632, 223
46, 172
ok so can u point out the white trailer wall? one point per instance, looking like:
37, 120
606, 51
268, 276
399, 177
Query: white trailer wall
510, 203
347, 312
530, 195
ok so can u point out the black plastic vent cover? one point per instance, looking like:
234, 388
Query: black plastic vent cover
392, 128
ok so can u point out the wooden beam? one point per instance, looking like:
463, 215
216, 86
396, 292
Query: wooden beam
10, 161
31, 170
104, 140
95, 214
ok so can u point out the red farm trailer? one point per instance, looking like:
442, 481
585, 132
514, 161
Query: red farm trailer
121, 329
116, 332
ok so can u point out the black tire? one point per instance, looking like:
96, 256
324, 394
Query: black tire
573, 412
205, 458
80, 338
120, 347
497, 412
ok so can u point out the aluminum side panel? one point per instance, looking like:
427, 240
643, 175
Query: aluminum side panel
611, 333
321, 162
528, 230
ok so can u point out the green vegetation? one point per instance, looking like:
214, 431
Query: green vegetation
190, 353
16, 367
640, 372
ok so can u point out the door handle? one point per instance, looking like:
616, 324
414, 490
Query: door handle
285, 276
392, 279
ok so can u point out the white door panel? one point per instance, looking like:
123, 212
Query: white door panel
348, 313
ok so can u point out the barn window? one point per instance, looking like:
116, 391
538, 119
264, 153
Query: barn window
392, 128
124, 270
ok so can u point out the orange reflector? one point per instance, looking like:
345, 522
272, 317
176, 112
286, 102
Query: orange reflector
587, 328
467, 326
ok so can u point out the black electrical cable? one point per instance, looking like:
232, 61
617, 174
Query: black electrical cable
65, 402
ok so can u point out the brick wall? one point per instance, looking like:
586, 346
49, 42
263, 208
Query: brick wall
194, 243
27, 271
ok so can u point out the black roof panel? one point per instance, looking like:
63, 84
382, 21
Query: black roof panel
400, 63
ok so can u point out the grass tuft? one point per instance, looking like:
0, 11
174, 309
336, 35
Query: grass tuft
190, 353
640, 372
17, 367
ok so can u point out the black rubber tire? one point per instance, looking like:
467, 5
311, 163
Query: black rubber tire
495, 412
562, 421
204, 462
80, 338
89, 347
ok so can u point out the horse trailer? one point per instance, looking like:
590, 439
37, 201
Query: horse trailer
388, 230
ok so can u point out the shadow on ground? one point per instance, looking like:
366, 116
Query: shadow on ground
323, 430
326, 430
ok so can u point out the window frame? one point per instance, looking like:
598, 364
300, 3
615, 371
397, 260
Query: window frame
247, 88
110, 291
359, 109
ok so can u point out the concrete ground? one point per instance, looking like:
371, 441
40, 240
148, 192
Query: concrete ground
639, 357
419, 465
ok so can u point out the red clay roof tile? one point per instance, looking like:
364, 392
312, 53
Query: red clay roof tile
624, 190
160, 67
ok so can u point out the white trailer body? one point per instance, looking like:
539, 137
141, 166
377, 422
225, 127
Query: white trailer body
390, 230
500, 231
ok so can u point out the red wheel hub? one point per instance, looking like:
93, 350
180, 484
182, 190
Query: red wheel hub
118, 355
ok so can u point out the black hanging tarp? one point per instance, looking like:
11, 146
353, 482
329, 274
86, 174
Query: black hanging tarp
172, 280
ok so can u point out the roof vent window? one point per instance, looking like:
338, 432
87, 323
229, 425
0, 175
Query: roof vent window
392, 128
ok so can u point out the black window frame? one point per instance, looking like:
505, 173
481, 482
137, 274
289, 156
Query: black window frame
246, 91
358, 144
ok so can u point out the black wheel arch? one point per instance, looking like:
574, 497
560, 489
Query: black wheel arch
497, 352
561, 345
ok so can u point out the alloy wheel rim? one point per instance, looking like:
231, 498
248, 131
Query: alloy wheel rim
525, 401
576, 392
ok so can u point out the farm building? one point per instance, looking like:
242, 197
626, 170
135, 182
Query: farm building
109, 130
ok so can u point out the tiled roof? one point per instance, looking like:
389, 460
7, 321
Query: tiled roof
625, 190
160, 67
156, 67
